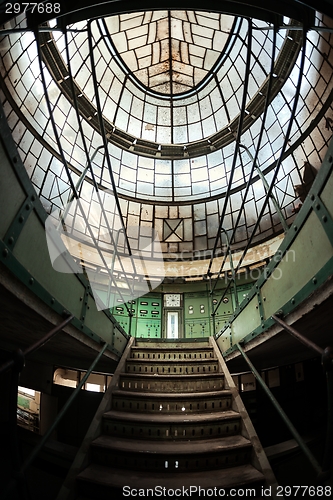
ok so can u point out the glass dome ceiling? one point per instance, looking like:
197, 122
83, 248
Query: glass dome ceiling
178, 113
169, 52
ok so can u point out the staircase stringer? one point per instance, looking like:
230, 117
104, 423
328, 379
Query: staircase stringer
68, 488
259, 458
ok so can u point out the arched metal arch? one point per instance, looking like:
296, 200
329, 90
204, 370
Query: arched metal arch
271, 11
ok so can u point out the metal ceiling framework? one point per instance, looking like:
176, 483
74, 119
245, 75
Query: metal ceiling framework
264, 221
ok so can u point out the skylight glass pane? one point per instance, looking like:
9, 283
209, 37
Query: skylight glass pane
170, 101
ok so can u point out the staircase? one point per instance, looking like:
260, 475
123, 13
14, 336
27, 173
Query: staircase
175, 421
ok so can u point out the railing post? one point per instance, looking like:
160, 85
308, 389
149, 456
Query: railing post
233, 274
327, 363
214, 323
40, 343
16, 364
211, 295
71, 197
308, 343
130, 316
62, 412
266, 186
283, 415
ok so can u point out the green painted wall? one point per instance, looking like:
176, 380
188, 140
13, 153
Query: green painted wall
301, 265
24, 252
196, 310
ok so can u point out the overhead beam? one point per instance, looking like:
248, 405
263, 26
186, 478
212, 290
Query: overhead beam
69, 12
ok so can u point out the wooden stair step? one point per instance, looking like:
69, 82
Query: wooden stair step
177, 361
162, 344
166, 367
171, 395
97, 481
172, 376
171, 427
193, 352
172, 402
188, 346
171, 448
171, 419
185, 346
171, 382
172, 457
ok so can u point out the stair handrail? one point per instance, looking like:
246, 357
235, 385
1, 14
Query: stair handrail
17, 363
321, 472
297, 334
232, 279
63, 215
267, 190
74, 188
36, 345
327, 363
62, 412
81, 460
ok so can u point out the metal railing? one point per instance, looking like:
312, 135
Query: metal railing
88, 168
322, 472
19, 355
267, 190
254, 159
231, 281
16, 364
327, 363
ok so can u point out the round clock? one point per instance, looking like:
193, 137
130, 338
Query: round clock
172, 300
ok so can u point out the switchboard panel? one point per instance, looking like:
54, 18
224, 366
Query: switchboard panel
147, 316
124, 323
197, 328
198, 306
150, 328
121, 309
220, 322
150, 306
197, 311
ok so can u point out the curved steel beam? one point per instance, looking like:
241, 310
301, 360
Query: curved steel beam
79, 10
